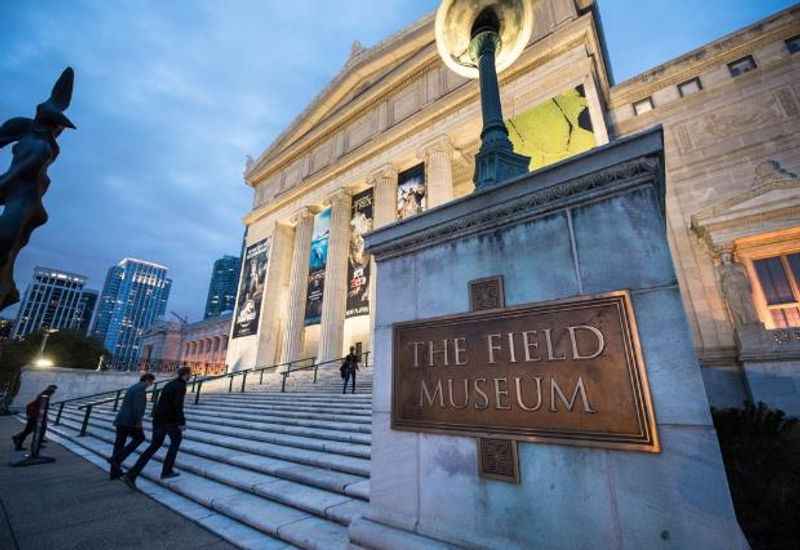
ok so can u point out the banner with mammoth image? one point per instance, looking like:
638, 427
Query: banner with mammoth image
318, 259
358, 262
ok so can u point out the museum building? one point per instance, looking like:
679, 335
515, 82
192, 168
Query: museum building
396, 132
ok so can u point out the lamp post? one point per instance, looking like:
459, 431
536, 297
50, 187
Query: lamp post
40, 360
477, 39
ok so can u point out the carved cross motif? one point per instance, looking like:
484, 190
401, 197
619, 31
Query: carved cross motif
498, 459
487, 293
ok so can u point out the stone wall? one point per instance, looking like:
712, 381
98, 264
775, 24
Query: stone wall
71, 382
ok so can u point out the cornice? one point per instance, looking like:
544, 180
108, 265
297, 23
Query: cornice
722, 51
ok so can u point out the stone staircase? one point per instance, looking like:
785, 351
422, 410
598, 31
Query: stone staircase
263, 469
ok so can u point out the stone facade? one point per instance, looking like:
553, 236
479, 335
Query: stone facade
201, 345
395, 105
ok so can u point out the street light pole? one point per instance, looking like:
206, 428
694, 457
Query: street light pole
47, 333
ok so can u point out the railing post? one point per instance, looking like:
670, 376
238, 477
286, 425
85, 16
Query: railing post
261, 378
316, 368
85, 421
283, 383
197, 393
244, 380
155, 402
58, 416
230, 384
116, 399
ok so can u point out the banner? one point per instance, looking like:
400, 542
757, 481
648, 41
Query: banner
251, 291
357, 260
317, 261
411, 191
553, 130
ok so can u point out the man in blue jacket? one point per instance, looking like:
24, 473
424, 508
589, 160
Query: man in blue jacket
168, 420
129, 423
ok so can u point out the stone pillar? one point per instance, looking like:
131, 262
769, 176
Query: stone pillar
384, 211
276, 290
384, 185
298, 286
334, 299
438, 157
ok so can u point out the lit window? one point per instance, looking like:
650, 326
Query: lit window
690, 87
793, 44
643, 106
741, 66
779, 278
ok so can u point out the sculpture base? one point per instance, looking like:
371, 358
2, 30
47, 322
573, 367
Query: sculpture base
588, 226
498, 166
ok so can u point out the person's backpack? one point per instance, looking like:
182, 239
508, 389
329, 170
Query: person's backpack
344, 367
32, 408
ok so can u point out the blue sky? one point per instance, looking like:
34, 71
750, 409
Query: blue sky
171, 96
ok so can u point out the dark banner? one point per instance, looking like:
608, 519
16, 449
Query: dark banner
251, 292
317, 261
411, 192
357, 260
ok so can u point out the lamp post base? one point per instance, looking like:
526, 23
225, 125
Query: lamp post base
493, 167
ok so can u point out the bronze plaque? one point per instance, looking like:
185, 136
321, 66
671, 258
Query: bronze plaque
498, 459
487, 293
568, 371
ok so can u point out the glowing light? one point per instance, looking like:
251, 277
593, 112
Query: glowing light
43, 362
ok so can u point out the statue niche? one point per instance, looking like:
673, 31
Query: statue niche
737, 291
25, 183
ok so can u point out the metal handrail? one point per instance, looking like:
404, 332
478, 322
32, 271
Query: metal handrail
197, 386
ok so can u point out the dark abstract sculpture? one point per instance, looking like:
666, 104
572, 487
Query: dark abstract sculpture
25, 183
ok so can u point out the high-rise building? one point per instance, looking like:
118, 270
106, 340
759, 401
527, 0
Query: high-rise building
222, 290
135, 294
86, 307
54, 299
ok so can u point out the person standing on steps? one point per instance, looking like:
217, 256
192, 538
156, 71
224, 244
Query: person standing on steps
349, 369
32, 416
168, 420
129, 423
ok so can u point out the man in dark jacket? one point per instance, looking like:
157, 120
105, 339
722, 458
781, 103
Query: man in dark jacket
168, 420
32, 411
129, 423
350, 367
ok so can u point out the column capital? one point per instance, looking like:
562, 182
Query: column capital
303, 213
341, 194
387, 170
439, 144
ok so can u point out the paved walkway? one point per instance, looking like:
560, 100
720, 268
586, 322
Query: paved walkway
71, 504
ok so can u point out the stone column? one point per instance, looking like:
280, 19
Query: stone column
384, 212
298, 286
276, 290
334, 299
438, 157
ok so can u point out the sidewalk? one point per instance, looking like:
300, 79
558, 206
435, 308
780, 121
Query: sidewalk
71, 504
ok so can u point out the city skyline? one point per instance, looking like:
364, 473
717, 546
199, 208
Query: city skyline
154, 167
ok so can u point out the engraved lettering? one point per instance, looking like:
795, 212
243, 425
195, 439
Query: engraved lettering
482, 393
528, 345
432, 352
517, 383
500, 394
548, 340
416, 351
511, 351
460, 345
451, 392
425, 394
492, 346
579, 389
600, 346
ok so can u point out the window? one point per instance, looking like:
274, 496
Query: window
690, 87
741, 66
779, 278
793, 44
643, 106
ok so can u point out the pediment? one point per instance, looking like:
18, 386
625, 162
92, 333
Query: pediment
771, 204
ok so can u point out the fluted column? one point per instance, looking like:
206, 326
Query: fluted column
276, 292
384, 212
334, 299
438, 157
298, 286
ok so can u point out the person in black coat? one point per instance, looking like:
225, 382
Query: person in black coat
349, 368
32, 411
168, 420
129, 423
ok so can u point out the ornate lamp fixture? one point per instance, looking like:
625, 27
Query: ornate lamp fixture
478, 39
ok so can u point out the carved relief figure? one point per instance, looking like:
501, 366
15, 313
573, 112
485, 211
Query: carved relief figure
737, 291
25, 183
